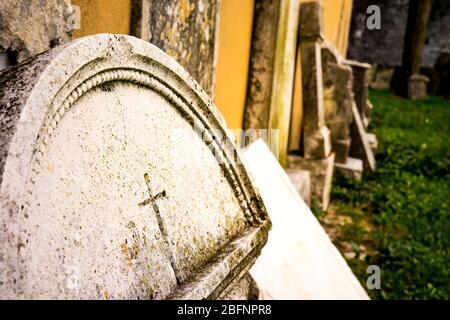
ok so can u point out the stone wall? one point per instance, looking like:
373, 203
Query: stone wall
371, 45
438, 37
30, 27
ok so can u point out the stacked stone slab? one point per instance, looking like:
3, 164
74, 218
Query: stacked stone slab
361, 89
272, 70
338, 101
361, 82
271, 78
363, 144
316, 154
262, 64
111, 185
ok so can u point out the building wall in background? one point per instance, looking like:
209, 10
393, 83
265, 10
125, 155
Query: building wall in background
235, 34
371, 45
336, 22
103, 16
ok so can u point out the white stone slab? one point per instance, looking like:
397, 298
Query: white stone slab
110, 183
299, 261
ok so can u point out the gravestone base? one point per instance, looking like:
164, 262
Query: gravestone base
373, 141
351, 169
417, 87
317, 143
342, 149
301, 180
321, 173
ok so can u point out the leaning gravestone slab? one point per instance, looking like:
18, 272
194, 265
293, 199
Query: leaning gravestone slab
299, 260
100, 196
360, 147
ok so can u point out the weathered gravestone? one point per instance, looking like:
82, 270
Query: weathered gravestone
361, 147
316, 155
361, 89
361, 74
338, 98
299, 260
186, 30
100, 196
417, 87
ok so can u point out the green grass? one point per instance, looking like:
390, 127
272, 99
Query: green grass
399, 216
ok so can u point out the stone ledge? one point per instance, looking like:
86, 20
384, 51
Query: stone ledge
351, 169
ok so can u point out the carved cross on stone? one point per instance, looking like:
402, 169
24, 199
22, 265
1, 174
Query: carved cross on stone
213, 234
162, 227
152, 199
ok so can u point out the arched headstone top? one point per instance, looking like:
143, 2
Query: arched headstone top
80, 121
330, 54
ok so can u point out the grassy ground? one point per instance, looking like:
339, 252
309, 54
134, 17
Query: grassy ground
398, 218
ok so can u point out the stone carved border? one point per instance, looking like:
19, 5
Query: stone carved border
57, 112
61, 76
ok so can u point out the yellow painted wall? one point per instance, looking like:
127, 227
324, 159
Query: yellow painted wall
295, 130
336, 22
236, 20
103, 16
